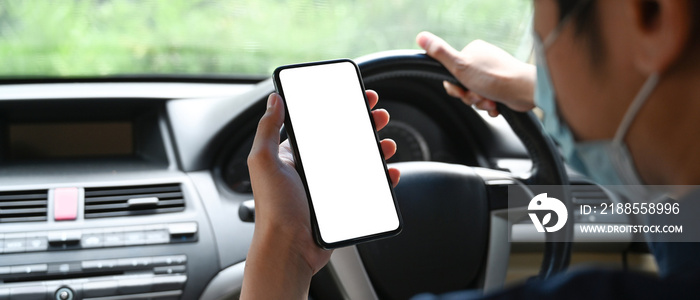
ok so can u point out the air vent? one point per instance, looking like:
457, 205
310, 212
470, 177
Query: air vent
588, 194
120, 201
23, 206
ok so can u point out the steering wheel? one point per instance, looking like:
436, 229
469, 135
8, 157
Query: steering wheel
447, 207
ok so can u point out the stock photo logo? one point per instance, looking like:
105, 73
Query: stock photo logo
543, 203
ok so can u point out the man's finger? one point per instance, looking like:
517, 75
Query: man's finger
394, 175
388, 148
439, 49
372, 98
266, 143
453, 90
485, 105
381, 118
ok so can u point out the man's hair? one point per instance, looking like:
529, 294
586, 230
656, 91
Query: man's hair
587, 26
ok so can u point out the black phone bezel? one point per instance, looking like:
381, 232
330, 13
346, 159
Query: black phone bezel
299, 164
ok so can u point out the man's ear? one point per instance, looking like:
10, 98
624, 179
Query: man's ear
662, 30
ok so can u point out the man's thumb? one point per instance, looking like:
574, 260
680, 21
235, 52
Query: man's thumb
438, 49
267, 138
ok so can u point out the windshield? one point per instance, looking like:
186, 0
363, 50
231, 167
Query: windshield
240, 37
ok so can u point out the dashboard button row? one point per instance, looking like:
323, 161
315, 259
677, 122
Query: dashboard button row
23, 242
168, 264
98, 238
119, 287
63, 268
135, 262
169, 269
24, 269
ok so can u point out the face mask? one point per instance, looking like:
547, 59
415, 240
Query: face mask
606, 162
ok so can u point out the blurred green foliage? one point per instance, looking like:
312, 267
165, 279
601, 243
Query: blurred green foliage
106, 37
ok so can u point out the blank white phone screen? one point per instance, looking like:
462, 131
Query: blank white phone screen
345, 174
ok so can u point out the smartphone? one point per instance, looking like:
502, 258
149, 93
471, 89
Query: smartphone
337, 153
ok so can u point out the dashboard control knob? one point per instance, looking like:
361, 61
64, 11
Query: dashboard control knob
64, 293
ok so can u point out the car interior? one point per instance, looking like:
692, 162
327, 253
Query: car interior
137, 187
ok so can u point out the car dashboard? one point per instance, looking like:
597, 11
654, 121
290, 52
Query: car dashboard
94, 201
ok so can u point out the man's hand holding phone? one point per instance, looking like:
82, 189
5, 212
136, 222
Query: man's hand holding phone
283, 246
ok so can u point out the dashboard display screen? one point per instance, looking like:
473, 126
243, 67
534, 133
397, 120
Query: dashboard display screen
69, 140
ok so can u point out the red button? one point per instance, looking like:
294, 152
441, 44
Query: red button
65, 204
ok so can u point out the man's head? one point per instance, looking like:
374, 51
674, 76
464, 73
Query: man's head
603, 56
